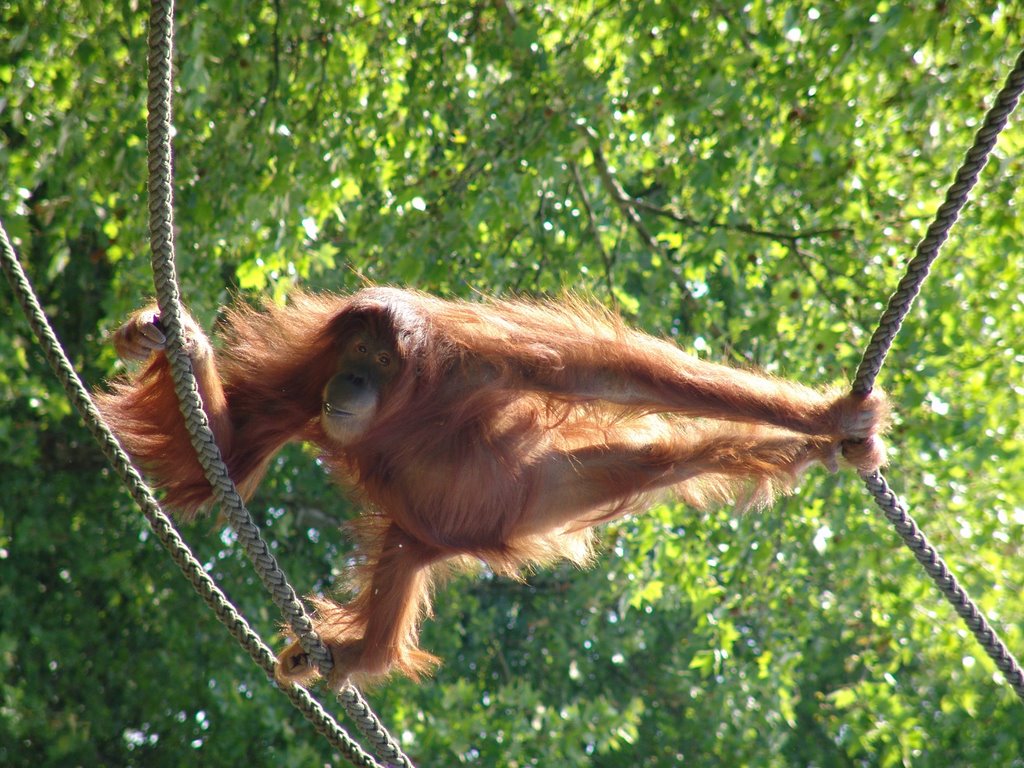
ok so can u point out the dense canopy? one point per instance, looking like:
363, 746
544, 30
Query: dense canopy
746, 178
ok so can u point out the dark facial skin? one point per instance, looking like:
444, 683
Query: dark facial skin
351, 396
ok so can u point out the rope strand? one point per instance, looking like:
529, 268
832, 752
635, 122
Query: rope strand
878, 348
161, 525
896, 512
161, 225
946, 216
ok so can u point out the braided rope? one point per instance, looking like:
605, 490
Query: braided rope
928, 249
896, 512
874, 355
161, 525
161, 226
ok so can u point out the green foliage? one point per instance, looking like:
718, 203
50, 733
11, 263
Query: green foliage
746, 177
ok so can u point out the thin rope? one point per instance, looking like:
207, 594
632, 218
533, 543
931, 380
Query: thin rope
161, 225
159, 522
874, 356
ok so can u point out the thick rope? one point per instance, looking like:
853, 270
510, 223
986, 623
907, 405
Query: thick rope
161, 225
161, 525
928, 249
877, 349
895, 510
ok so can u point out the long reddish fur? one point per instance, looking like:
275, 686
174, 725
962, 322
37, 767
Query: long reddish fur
441, 469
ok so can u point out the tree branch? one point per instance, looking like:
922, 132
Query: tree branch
622, 199
787, 238
592, 221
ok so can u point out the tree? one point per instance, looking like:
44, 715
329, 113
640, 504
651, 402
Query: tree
747, 178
